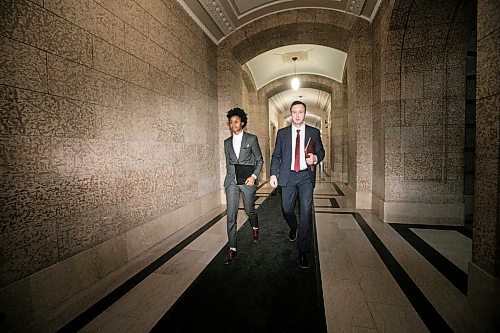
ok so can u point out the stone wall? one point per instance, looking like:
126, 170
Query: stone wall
107, 112
484, 271
420, 110
359, 82
338, 133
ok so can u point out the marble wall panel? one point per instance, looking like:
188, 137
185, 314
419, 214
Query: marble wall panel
391, 61
26, 251
391, 113
22, 65
93, 123
455, 82
105, 25
487, 121
455, 138
488, 11
412, 138
412, 85
24, 204
307, 15
66, 40
75, 11
454, 166
35, 26
394, 168
418, 191
92, 17
455, 110
392, 138
79, 82
433, 83
488, 73
423, 112
111, 60
434, 139
394, 39
391, 87
50, 115
75, 274
415, 59
139, 45
25, 155
425, 166
135, 99
420, 18
9, 113
487, 170
79, 232
485, 201
426, 36
128, 11
155, 8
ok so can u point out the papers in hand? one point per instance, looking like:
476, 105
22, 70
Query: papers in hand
310, 150
242, 173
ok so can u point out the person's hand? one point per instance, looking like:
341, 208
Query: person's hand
273, 181
250, 181
310, 159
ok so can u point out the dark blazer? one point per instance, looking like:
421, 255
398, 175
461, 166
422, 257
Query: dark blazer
282, 155
250, 154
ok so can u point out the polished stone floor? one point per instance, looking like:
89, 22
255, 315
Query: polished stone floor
373, 278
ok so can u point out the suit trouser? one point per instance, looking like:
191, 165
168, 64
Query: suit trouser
232, 199
299, 184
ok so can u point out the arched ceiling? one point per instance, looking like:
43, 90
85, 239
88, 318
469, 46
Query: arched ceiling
220, 18
309, 59
313, 98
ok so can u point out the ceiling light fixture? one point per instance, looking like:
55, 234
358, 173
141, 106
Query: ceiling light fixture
295, 80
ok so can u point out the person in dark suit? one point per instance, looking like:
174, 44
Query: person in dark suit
243, 165
295, 171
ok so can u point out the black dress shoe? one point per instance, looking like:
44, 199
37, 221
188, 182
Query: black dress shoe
303, 262
292, 235
230, 257
255, 234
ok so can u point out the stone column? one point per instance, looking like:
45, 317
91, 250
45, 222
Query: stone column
359, 118
484, 270
338, 133
229, 84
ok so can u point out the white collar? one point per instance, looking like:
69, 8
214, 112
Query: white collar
239, 136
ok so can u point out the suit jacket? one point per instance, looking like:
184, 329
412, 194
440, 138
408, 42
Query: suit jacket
250, 154
282, 156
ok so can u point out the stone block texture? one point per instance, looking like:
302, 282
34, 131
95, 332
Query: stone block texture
103, 123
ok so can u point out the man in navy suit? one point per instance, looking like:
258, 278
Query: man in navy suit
242, 152
295, 171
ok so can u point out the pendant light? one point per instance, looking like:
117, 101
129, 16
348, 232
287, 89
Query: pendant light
295, 80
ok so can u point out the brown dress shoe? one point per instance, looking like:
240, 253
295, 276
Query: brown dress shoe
255, 234
230, 257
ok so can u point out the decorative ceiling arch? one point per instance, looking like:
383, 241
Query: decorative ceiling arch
315, 92
222, 18
297, 59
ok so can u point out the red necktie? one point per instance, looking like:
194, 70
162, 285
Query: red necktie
296, 166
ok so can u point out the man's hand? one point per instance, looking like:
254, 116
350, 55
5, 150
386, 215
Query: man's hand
273, 181
311, 158
250, 181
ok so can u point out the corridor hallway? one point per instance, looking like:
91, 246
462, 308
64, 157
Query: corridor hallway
372, 279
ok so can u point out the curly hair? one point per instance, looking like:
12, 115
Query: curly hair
240, 113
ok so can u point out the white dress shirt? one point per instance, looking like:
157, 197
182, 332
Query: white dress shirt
237, 143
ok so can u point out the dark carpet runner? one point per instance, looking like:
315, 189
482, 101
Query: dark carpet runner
264, 290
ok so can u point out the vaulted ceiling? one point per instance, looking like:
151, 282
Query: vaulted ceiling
219, 18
